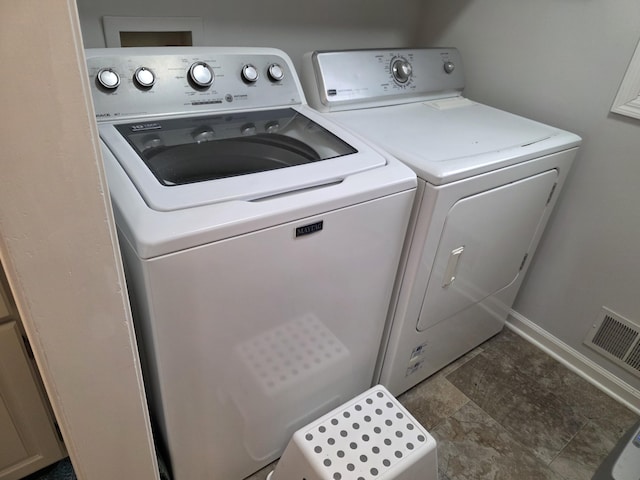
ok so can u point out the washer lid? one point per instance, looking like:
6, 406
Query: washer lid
454, 138
184, 162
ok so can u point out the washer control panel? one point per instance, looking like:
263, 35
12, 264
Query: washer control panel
336, 80
140, 82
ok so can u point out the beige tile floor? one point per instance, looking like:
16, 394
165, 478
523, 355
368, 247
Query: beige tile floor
506, 410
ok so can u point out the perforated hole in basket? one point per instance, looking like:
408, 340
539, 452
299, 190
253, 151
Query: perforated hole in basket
365, 439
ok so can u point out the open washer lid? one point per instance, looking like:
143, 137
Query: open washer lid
454, 138
178, 163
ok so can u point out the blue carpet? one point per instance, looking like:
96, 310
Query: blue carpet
63, 470
58, 471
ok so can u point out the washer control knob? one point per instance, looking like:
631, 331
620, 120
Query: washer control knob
272, 127
401, 70
276, 73
203, 134
144, 77
108, 79
151, 141
449, 66
248, 129
201, 74
249, 73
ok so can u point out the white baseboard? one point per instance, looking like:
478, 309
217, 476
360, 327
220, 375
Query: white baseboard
575, 361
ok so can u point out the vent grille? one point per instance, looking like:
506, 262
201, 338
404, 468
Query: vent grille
633, 360
616, 338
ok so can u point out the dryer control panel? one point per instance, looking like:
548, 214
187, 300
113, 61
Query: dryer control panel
342, 80
143, 82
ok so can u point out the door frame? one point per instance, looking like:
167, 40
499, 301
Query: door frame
58, 245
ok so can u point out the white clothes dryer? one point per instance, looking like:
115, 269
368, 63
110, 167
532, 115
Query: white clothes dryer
260, 243
487, 183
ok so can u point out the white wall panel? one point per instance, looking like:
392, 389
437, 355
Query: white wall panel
295, 26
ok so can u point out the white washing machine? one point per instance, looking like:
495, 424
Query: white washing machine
487, 183
260, 243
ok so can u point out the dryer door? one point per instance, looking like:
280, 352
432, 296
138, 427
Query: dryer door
483, 244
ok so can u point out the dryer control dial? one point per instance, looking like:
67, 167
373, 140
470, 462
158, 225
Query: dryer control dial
108, 79
201, 75
449, 67
401, 70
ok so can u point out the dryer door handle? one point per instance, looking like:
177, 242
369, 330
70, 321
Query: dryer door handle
452, 266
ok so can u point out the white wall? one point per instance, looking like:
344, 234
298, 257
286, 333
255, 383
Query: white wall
57, 245
296, 26
561, 62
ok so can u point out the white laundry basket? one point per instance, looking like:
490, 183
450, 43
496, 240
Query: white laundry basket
370, 437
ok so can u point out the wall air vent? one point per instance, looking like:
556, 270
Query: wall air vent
633, 359
616, 338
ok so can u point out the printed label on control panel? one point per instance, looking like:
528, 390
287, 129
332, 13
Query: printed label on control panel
142, 127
